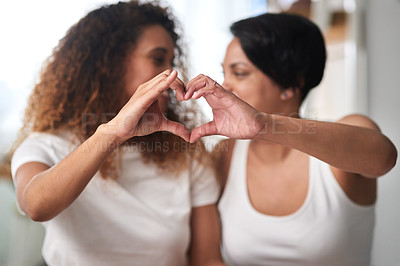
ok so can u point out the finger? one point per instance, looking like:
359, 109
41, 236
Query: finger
176, 128
161, 82
195, 87
164, 82
195, 79
199, 77
156, 79
179, 87
148, 92
171, 77
197, 83
203, 93
204, 130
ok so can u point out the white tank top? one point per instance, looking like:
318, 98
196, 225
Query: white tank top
328, 229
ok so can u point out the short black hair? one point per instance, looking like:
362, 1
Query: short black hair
288, 48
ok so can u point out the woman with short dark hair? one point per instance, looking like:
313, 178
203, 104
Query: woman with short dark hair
294, 191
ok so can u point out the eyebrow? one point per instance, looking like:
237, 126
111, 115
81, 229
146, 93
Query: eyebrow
159, 49
235, 64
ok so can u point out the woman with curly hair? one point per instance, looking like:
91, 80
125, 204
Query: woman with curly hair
102, 159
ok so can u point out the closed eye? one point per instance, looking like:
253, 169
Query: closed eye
160, 57
159, 61
240, 74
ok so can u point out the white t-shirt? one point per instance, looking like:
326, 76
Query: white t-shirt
327, 230
142, 218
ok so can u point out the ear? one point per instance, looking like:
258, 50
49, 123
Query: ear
288, 94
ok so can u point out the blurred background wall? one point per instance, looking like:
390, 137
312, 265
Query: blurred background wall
383, 47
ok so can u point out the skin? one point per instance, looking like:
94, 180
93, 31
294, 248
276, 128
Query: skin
248, 82
153, 54
249, 105
43, 192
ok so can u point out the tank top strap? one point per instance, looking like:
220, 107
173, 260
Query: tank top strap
239, 156
235, 186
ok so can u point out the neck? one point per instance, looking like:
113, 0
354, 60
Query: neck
289, 110
268, 152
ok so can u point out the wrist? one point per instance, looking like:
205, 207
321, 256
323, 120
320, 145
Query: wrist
107, 135
263, 121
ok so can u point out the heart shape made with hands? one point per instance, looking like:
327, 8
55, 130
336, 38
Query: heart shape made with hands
232, 117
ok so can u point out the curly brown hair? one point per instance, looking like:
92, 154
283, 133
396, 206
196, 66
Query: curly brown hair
84, 75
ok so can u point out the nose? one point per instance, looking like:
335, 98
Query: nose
170, 65
165, 67
227, 86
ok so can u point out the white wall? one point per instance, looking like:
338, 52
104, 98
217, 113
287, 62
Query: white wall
383, 46
28, 32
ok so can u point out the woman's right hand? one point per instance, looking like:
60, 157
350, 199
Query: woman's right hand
44, 191
142, 115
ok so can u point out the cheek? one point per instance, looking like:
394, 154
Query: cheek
131, 89
249, 93
137, 79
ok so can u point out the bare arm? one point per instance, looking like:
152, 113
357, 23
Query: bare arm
356, 147
44, 192
206, 237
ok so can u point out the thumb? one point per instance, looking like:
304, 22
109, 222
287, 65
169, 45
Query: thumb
203, 130
175, 128
171, 77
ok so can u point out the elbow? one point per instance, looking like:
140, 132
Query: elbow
387, 162
216, 262
36, 214
37, 217
391, 160
35, 210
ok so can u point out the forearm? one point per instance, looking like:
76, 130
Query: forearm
51, 191
350, 148
206, 237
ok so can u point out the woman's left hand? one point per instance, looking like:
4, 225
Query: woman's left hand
354, 145
233, 117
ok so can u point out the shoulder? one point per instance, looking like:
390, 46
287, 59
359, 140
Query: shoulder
359, 120
62, 143
41, 147
44, 137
